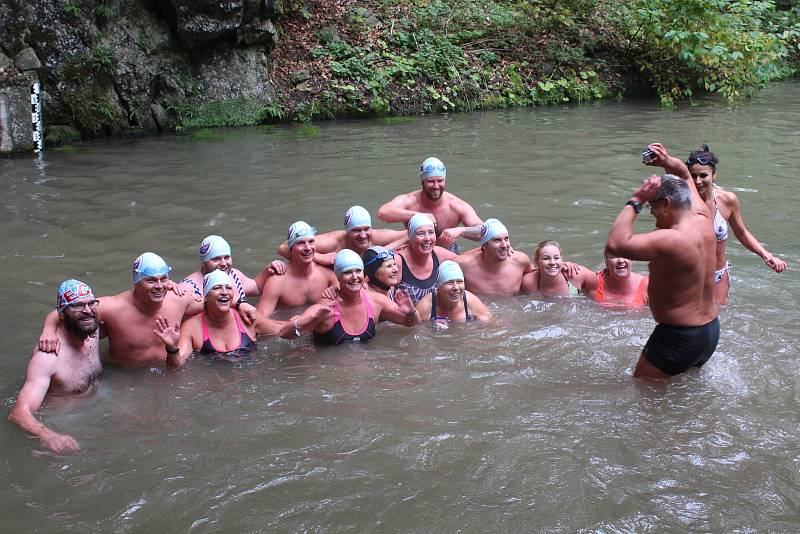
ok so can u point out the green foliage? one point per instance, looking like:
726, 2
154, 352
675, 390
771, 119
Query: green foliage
105, 110
229, 112
73, 8
105, 9
207, 134
102, 60
718, 46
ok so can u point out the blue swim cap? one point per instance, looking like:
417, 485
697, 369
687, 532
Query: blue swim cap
149, 264
448, 270
299, 230
355, 217
347, 260
432, 167
71, 291
418, 220
215, 278
491, 229
214, 246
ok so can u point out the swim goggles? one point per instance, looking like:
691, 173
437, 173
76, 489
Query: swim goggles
702, 160
383, 256
428, 168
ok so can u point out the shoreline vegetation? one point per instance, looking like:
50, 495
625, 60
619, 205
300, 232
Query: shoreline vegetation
379, 58
150, 65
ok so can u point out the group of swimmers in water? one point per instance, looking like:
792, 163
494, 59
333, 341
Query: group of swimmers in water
353, 279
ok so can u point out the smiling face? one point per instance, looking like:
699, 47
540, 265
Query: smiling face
303, 250
453, 290
220, 297
423, 240
152, 288
619, 267
351, 280
388, 273
703, 176
433, 187
80, 319
498, 247
548, 259
223, 263
359, 238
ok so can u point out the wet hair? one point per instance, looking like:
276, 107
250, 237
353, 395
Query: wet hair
703, 156
676, 190
543, 244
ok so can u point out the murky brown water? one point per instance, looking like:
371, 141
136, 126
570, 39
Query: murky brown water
535, 425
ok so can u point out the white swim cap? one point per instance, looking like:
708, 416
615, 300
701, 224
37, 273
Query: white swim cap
149, 264
432, 167
417, 221
355, 217
214, 246
298, 230
347, 260
448, 270
491, 229
215, 278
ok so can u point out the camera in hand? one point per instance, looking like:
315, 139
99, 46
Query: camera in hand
648, 156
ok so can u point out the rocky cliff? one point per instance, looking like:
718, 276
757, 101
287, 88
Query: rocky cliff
112, 67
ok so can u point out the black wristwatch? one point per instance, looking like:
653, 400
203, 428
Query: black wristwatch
241, 300
637, 206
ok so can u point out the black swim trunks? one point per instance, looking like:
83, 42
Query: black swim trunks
674, 349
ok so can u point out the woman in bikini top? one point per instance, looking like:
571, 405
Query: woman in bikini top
725, 208
549, 277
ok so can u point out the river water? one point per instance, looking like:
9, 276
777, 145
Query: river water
530, 424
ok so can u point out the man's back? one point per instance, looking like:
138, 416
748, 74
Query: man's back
681, 289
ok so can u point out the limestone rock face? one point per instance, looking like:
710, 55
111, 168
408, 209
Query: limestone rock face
16, 130
197, 22
136, 67
27, 60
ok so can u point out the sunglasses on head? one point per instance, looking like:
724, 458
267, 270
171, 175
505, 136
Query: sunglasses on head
702, 160
382, 256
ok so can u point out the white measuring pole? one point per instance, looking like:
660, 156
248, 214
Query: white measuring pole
36, 119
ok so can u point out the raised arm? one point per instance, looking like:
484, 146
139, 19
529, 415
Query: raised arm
48, 339
389, 238
177, 341
397, 210
678, 168
622, 242
40, 371
319, 258
449, 235
401, 311
744, 236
